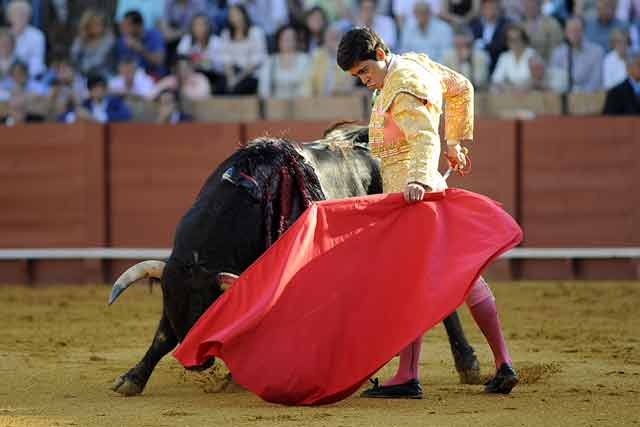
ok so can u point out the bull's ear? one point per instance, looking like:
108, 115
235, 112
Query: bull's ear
225, 280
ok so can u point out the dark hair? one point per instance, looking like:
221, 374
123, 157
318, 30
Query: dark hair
523, 34
95, 80
245, 15
359, 44
209, 28
281, 30
135, 17
128, 59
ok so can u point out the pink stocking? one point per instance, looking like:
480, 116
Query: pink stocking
408, 368
482, 305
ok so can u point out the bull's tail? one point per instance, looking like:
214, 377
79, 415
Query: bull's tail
142, 270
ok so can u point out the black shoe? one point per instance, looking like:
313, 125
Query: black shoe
506, 378
409, 390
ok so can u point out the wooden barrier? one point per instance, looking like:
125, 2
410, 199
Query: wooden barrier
578, 186
53, 195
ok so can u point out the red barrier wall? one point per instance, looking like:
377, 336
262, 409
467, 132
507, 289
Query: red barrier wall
52, 195
578, 186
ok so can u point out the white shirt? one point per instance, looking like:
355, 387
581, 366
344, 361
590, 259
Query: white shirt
404, 8
208, 58
99, 111
141, 86
30, 49
511, 71
437, 38
385, 27
614, 70
245, 53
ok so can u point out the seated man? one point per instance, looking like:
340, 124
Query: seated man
99, 107
624, 99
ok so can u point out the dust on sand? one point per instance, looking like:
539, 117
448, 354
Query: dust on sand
576, 345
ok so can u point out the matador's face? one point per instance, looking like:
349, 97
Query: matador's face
372, 72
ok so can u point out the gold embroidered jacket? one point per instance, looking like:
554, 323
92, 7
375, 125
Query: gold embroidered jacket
403, 129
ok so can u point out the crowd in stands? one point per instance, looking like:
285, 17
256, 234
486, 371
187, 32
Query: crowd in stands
86, 62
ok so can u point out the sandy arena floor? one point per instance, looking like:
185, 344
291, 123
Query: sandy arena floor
577, 346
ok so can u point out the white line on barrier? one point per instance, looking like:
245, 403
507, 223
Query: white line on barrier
154, 253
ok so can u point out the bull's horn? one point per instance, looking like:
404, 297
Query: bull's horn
139, 271
225, 280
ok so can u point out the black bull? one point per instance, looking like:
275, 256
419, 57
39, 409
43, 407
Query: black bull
246, 203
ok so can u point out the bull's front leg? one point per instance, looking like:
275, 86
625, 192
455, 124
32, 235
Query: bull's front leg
135, 379
464, 356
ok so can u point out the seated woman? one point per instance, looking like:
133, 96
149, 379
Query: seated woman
202, 47
92, 49
324, 77
243, 49
283, 74
512, 69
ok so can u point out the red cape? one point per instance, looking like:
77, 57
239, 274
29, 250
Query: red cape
345, 288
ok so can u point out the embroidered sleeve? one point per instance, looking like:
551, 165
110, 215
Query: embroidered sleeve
420, 127
458, 100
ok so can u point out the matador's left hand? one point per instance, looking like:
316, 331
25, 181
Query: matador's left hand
457, 157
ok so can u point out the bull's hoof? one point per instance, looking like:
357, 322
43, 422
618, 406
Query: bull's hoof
469, 369
206, 365
126, 386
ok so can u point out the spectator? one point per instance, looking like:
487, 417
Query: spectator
584, 8
218, 12
544, 31
628, 10
152, 11
17, 112
426, 33
99, 106
19, 81
325, 77
178, 16
242, 51
7, 55
203, 48
489, 30
383, 25
597, 28
145, 45
66, 88
403, 10
512, 70
316, 22
512, 9
468, 59
545, 78
168, 107
459, 12
283, 74
614, 69
29, 41
92, 49
579, 59
558, 9
624, 99
131, 80
186, 81
269, 15
337, 10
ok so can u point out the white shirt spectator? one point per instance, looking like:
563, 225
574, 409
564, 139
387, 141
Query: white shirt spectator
624, 9
512, 72
208, 58
434, 41
276, 81
30, 49
246, 53
142, 85
614, 70
383, 26
404, 9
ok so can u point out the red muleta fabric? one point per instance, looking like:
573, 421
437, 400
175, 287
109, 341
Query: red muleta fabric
345, 288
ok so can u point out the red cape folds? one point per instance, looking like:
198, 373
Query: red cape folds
345, 288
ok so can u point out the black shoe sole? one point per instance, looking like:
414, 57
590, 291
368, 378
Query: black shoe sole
505, 387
